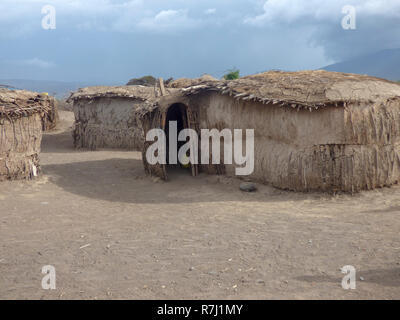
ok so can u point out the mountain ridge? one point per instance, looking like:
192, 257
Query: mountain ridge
59, 89
382, 64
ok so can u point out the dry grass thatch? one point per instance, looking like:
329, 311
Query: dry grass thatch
19, 103
185, 82
304, 89
141, 93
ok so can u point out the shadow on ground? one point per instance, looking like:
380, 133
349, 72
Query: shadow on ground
124, 180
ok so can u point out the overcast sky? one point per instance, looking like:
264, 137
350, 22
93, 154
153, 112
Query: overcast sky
112, 41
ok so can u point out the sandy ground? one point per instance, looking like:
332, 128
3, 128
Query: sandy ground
113, 233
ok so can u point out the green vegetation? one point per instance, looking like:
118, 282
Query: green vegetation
148, 81
232, 74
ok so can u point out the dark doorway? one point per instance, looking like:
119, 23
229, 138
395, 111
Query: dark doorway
176, 112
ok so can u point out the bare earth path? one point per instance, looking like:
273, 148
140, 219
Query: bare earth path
113, 233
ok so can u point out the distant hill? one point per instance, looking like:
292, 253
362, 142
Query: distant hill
5, 86
384, 64
58, 89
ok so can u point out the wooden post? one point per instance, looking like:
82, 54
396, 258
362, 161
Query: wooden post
155, 89
162, 88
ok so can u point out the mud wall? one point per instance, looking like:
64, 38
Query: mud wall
20, 141
107, 123
331, 149
50, 119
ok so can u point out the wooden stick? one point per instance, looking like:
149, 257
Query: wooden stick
162, 88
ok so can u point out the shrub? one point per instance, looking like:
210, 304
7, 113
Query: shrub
148, 81
232, 74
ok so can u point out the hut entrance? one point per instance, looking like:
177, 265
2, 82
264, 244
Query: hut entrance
160, 118
179, 113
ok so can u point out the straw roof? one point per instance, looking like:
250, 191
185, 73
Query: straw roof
304, 89
185, 82
141, 93
18, 103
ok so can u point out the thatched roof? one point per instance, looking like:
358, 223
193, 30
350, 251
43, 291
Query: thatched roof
185, 82
18, 103
304, 89
141, 93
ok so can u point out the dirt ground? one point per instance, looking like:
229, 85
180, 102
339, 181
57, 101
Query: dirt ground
113, 233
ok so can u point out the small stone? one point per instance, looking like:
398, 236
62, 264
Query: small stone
248, 187
260, 281
191, 268
362, 278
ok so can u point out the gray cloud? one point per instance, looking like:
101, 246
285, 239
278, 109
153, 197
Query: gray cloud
377, 24
114, 40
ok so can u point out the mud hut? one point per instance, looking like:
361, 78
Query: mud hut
107, 117
314, 130
21, 124
51, 118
